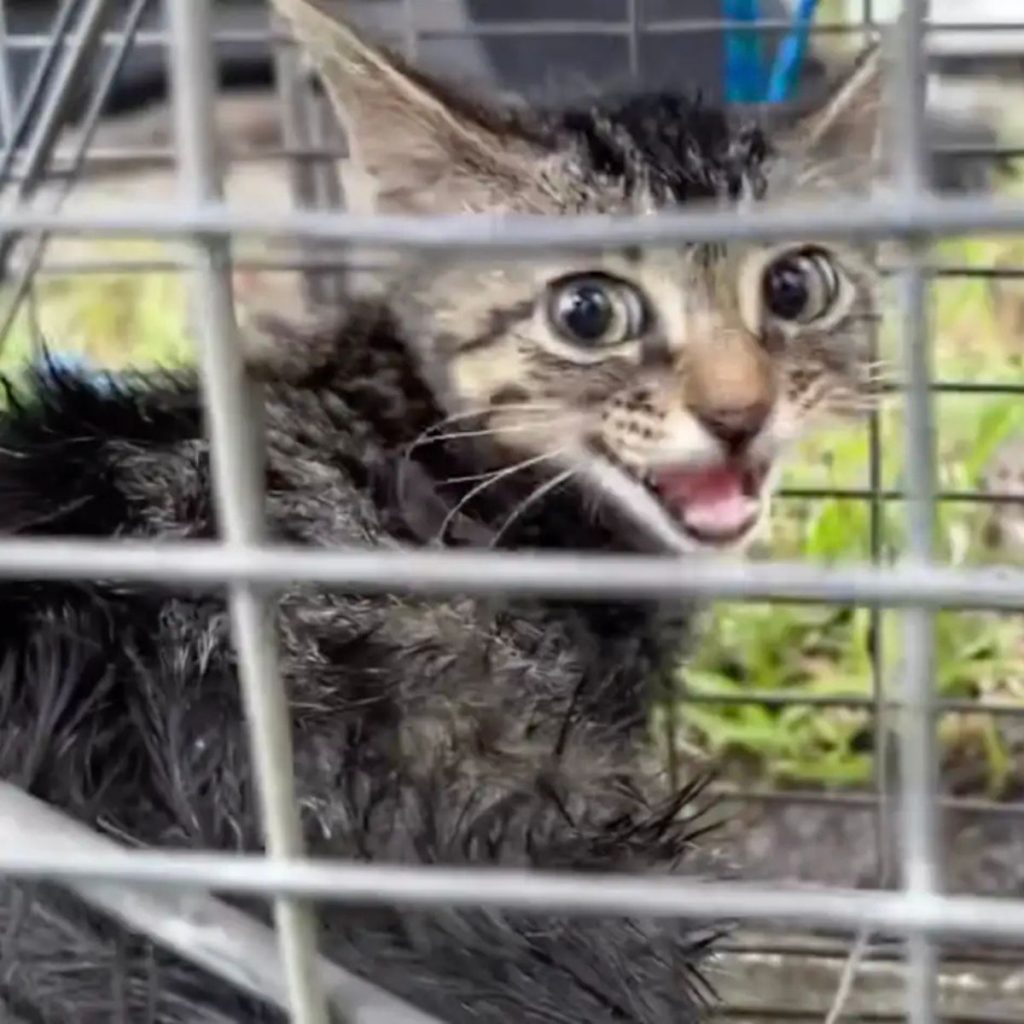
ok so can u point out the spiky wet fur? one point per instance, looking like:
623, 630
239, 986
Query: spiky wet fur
461, 731
449, 732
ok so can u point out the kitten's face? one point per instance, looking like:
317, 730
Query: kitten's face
669, 381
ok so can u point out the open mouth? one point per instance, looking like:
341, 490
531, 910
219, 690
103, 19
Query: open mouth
716, 505
710, 506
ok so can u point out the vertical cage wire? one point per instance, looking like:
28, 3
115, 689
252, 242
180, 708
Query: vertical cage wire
326, 137
312, 179
635, 20
918, 749
880, 768
877, 542
295, 136
6, 81
233, 419
410, 30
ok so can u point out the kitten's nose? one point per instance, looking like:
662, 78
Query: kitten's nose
735, 426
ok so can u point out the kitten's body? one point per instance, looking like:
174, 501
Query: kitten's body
456, 731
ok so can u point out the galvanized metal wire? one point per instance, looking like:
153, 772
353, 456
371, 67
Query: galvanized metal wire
233, 414
918, 912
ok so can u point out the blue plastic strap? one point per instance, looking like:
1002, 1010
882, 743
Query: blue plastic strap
745, 70
790, 57
747, 78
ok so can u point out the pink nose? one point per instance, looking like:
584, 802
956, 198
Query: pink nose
735, 427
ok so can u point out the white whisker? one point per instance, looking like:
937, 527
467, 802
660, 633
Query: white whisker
534, 496
812, 396
493, 479
427, 436
424, 438
490, 431
465, 479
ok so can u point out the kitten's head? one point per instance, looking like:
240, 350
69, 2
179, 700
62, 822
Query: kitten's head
667, 380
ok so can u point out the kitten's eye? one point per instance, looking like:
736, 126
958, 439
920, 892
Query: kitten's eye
594, 310
801, 286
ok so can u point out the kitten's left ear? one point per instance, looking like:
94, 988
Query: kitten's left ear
851, 117
845, 134
424, 149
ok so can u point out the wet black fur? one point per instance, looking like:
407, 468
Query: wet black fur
457, 731
682, 148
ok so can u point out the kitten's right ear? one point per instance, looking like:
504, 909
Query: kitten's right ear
424, 149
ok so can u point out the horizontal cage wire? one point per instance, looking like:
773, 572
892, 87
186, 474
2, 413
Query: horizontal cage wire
884, 887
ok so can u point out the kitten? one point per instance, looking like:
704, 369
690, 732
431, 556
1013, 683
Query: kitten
673, 378
634, 401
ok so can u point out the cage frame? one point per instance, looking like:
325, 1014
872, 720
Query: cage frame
917, 911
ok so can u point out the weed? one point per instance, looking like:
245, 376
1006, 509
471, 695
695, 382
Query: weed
810, 654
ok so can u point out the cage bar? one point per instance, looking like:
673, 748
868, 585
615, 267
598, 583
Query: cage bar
217, 937
918, 754
470, 572
7, 111
234, 422
898, 913
919, 216
253, 570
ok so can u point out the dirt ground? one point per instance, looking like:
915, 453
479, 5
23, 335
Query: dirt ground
839, 846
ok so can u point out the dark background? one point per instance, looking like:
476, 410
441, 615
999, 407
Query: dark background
539, 67
529, 64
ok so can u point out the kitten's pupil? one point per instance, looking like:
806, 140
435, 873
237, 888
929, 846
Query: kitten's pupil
786, 288
586, 311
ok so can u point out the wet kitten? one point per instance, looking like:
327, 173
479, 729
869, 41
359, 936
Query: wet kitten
667, 382
634, 401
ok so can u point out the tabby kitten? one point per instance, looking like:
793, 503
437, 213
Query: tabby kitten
666, 382
636, 400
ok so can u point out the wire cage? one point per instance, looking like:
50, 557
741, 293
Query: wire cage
911, 896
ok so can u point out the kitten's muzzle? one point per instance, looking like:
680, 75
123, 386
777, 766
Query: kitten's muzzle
728, 384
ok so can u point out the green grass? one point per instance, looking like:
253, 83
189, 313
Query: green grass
747, 649
115, 320
812, 652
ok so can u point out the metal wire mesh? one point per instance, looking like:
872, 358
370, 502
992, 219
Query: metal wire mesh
919, 910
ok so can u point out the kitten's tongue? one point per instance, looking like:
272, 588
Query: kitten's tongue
710, 501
